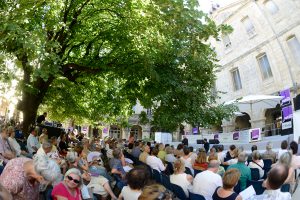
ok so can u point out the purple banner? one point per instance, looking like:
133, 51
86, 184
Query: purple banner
255, 134
105, 130
195, 130
286, 94
236, 135
287, 113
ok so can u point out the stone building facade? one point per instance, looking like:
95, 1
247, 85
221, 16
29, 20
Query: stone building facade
260, 56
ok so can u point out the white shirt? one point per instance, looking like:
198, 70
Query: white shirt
295, 162
155, 163
206, 183
221, 156
170, 158
182, 181
129, 194
32, 141
280, 152
261, 165
274, 195
13, 142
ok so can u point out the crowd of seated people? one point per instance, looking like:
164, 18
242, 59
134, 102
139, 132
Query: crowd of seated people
74, 168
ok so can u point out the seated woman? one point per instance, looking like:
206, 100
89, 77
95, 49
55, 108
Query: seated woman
201, 162
169, 155
161, 153
186, 158
180, 177
136, 180
230, 179
69, 188
154, 192
22, 176
234, 158
257, 163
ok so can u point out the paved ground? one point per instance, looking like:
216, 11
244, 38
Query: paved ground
296, 195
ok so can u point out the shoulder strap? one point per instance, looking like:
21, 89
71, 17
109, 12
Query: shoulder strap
257, 164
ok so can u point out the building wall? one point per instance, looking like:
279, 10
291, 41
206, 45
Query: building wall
270, 38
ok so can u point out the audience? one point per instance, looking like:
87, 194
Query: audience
275, 179
32, 141
245, 171
136, 180
295, 159
44, 136
269, 153
161, 152
205, 183
283, 148
170, 155
186, 158
178, 152
143, 156
257, 163
286, 159
221, 153
69, 188
225, 192
201, 161
7, 152
14, 144
231, 153
154, 162
22, 176
155, 192
136, 151
180, 177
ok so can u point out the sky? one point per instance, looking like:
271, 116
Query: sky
205, 5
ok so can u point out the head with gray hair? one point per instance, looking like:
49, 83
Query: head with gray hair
269, 146
255, 155
286, 159
242, 157
169, 150
47, 168
47, 146
71, 173
213, 165
71, 157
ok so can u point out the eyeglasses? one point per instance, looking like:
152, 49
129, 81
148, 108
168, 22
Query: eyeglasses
74, 180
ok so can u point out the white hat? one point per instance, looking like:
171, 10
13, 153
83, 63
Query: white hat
92, 155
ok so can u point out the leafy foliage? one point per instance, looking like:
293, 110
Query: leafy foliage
92, 59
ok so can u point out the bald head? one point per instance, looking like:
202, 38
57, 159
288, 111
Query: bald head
276, 177
242, 157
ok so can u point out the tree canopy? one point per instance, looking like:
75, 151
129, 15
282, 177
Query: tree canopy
94, 59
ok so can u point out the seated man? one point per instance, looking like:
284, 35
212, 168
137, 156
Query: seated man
276, 177
45, 149
32, 141
244, 169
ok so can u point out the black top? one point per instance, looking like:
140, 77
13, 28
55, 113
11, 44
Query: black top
206, 146
63, 146
215, 196
40, 119
185, 142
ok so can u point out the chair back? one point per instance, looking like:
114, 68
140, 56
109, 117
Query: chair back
188, 171
196, 196
285, 188
255, 174
166, 181
178, 191
196, 171
169, 169
237, 188
157, 176
267, 163
257, 185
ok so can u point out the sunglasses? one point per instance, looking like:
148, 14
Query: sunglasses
72, 179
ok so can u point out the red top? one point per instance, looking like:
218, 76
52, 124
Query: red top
200, 166
61, 190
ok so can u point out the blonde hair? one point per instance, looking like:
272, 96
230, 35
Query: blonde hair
230, 178
201, 158
161, 147
179, 166
153, 192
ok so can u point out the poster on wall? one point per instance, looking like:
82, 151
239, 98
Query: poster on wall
104, 132
236, 136
255, 134
195, 130
286, 112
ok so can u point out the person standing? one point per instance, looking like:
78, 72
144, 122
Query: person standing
206, 145
40, 119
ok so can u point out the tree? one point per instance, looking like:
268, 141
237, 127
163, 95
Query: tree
94, 58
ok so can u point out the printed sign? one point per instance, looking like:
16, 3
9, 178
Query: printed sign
287, 113
255, 134
235, 135
195, 130
286, 94
286, 125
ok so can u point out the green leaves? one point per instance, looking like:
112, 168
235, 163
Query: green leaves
93, 59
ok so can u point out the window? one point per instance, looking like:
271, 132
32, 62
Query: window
249, 26
294, 46
271, 7
236, 79
265, 66
149, 111
226, 41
